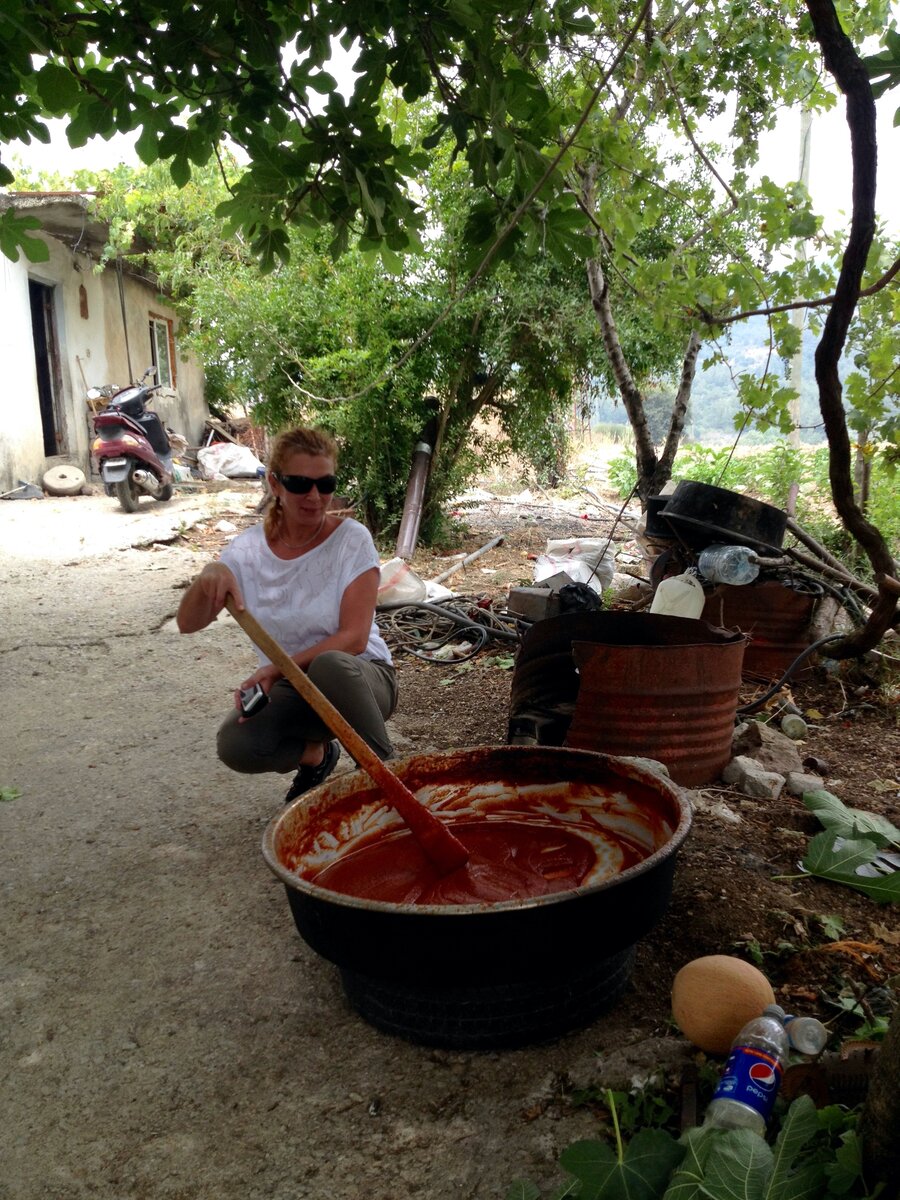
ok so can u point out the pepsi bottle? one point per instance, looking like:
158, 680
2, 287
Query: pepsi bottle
746, 1091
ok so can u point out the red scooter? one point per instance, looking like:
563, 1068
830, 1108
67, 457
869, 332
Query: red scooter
132, 448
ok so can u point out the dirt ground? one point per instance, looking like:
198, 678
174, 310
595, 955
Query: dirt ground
165, 1032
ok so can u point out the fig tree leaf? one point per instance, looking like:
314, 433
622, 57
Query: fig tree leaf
648, 1161
839, 865
15, 236
523, 1189
722, 1164
789, 1182
836, 815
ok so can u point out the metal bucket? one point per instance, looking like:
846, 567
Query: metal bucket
659, 687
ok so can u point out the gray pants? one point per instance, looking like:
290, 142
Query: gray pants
363, 692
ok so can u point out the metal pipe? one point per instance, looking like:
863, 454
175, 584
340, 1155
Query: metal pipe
412, 506
124, 317
465, 561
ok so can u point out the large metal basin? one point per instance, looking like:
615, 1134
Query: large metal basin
488, 975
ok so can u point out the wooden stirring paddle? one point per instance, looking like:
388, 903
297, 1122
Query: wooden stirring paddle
446, 852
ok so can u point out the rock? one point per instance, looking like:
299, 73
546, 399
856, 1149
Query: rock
794, 727
771, 750
647, 764
797, 782
749, 777
715, 808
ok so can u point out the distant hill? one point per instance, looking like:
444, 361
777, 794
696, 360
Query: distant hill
714, 394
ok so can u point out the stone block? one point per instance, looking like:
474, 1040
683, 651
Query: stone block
751, 779
767, 746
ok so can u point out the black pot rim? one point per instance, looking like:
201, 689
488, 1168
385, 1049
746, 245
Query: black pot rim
620, 766
757, 516
724, 535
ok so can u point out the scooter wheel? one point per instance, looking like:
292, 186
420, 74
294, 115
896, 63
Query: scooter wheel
166, 493
128, 494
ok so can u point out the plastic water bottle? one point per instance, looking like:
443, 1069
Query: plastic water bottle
806, 1035
728, 564
679, 596
746, 1091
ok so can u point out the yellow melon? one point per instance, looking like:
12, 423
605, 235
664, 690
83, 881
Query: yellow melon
714, 997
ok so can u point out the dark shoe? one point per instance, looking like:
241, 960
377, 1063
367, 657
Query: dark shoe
310, 777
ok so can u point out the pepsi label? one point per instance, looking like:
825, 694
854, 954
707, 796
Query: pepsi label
751, 1077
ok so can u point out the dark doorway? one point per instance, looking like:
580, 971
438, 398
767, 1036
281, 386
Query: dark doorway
46, 361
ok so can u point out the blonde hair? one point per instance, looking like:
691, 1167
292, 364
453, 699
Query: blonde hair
305, 440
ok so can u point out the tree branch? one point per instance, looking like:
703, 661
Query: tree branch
689, 134
883, 282
852, 78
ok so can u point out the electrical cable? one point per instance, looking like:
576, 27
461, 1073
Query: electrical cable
420, 628
451, 614
430, 655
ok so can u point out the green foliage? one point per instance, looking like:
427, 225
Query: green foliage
344, 343
8, 794
884, 67
639, 1171
840, 861
649, 1104
849, 822
848, 851
16, 235
867, 1027
558, 166
815, 1156
190, 77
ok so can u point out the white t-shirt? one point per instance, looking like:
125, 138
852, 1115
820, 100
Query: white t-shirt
298, 600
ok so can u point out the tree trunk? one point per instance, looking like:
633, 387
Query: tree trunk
644, 450
880, 1121
679, 411
845, 65
653, 470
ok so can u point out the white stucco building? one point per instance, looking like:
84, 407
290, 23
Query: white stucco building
66, 327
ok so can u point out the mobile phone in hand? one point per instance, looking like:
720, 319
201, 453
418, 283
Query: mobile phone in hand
253, 700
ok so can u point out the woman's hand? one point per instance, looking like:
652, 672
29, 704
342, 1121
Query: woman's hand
205, 598
265, 676
216, 582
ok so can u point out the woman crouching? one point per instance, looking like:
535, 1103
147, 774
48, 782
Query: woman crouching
311, 579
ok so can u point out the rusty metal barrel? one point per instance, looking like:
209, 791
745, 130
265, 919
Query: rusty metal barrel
648, 685
658, 687
775, 614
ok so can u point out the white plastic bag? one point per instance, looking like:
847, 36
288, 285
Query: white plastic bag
400, 582
228, 460
584, 560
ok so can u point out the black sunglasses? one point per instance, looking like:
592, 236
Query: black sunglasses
299, 485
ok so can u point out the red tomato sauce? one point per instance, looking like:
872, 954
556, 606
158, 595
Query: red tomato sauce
508, 860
